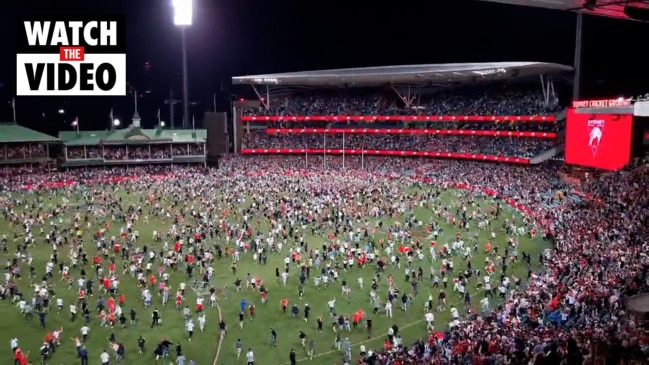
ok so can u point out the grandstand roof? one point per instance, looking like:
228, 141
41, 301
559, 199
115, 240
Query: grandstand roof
131, 135
12, 132
606, 8
410, 74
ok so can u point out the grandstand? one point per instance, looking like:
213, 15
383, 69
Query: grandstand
133, 146
25, 147
467, 111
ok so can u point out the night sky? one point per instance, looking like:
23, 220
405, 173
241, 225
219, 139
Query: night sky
236, 37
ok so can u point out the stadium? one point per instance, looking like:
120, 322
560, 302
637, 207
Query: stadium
419, 212
415, 212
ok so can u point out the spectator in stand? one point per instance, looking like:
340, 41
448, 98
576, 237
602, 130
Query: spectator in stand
525, 147
20, 151
136, 152
494, 100
470, 100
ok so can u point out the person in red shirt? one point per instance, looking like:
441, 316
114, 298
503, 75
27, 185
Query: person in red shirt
49, 339
284, 305
82, 296
387, 345
17, 354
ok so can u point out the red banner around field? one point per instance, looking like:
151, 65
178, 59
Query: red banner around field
466, 156
455, 132
400, 118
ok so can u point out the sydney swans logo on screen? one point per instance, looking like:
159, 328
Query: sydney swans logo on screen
71, 55
602, 140
595, 134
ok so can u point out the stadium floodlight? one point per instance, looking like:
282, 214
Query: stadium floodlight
116, 122
183, 12
61, 111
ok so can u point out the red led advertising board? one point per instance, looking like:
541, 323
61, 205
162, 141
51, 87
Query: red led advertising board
601, 141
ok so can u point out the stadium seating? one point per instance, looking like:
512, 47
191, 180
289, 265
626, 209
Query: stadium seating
22, 151
498, 146
144, 153
473, 101
485, 121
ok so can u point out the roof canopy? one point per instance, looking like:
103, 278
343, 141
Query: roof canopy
607, 8
410, 75
132, 135
12, 132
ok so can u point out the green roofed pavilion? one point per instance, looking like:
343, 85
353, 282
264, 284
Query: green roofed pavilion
133, 135
14, 133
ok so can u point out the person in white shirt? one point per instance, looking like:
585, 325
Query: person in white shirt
84, 332
485, 304
56, 335
73, 312
22, 304
430, 319
201, 322
104, 357
388, 309
14, 344
250, 356
455, 313
332, 306
189, 326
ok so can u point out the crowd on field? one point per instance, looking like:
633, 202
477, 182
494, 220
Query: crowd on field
575, 301
557, 313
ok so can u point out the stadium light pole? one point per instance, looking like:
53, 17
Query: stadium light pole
183, 14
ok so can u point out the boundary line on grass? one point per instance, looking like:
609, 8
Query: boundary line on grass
369, 339
218, 311
218, 348
358, 343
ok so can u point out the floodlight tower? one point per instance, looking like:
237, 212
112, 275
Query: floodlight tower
183, 14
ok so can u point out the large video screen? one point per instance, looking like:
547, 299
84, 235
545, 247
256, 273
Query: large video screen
602, 141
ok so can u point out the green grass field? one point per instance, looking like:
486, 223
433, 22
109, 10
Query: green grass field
255, 334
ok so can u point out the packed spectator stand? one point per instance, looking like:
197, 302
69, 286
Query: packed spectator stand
147, 152
495, 121
133, 146
467, 100
497, 146
23, 151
